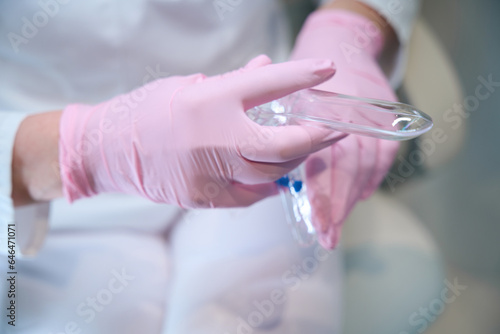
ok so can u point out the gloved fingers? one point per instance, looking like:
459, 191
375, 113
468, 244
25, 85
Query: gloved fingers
331, 238
264, 84
387, 151
346, 173
331, 182
368, 161
285, 143
368, 153
318, 181
260, 172
375, 174
241, 195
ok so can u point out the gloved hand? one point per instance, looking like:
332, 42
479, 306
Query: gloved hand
187, 141
352, 169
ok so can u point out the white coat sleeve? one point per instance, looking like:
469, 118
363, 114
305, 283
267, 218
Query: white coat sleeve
28, 224
401, 14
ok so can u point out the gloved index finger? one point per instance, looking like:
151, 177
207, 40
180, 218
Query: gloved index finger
265, 84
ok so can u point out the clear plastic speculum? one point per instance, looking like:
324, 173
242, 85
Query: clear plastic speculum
338, 112
344, 113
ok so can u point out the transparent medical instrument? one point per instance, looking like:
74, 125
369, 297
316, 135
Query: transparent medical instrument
338, 112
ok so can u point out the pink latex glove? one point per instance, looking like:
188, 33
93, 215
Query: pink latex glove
187, 141
352, 169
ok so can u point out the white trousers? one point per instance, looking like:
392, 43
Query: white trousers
213, 271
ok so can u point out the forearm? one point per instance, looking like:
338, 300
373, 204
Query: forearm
35, 175
391, 42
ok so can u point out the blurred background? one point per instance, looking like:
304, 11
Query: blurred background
459, 201
446, 227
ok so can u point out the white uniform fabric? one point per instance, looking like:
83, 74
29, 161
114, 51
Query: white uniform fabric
54, 52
